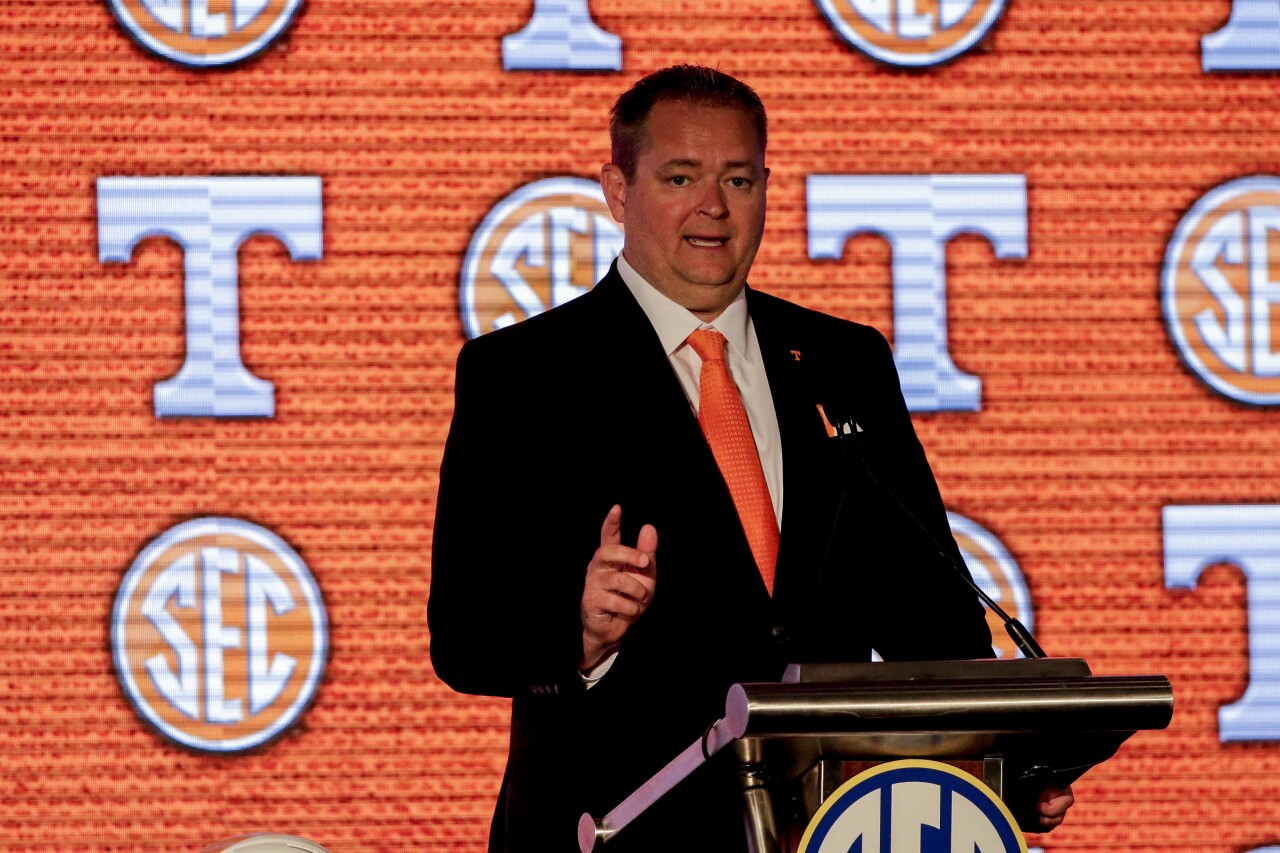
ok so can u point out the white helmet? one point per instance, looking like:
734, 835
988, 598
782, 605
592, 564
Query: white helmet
265, 842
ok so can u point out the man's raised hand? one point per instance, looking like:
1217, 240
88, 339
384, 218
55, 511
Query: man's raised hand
619, 586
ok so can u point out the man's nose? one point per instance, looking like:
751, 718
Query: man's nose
712, 202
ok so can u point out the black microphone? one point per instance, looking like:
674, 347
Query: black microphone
848, 426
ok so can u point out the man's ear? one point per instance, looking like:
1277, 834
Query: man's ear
614, 184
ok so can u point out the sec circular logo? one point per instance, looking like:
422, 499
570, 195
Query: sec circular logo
1220, 286
539, 247
219, 634
995, 570
913, 805
202, 34
912, 33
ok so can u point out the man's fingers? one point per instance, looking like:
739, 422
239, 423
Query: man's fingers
612, 604
611, 530
620, 558
636, 587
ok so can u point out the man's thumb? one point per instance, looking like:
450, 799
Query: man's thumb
648, 541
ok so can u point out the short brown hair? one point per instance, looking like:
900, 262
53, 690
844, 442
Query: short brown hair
693, 84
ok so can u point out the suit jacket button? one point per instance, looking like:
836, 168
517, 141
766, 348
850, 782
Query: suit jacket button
779, 632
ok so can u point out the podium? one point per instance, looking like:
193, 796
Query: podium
1018, 725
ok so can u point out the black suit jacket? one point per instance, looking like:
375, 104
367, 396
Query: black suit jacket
560, 417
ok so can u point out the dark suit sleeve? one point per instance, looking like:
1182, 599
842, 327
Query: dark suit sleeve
505, 589
523, 491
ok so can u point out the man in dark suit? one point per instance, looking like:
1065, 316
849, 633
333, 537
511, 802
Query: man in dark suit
595, 557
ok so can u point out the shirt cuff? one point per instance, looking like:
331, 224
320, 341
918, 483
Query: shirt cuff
597, 672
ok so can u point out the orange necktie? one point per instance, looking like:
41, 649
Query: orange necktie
724, 423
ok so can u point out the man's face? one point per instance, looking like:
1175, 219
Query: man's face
693, 216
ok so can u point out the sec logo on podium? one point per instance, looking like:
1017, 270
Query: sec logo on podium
912, 33
1220, 289
202, 33
219, 635
913, 806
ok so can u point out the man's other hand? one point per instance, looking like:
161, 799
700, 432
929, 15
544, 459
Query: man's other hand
1052, 806
619, 586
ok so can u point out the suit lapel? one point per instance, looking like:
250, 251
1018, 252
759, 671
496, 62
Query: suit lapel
810, 463
639, 373
628, 346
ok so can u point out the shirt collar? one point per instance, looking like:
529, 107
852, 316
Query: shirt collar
673, 322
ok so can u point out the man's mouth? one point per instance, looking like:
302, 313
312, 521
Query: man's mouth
707, 242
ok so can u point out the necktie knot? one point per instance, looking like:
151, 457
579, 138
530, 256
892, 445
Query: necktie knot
708, 344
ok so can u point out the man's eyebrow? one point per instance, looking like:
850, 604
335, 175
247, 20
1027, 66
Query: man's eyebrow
680, 164
684, 163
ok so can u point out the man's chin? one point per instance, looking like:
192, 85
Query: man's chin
709, 295
715, 277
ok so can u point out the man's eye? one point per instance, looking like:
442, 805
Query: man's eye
739, 183
679, 180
